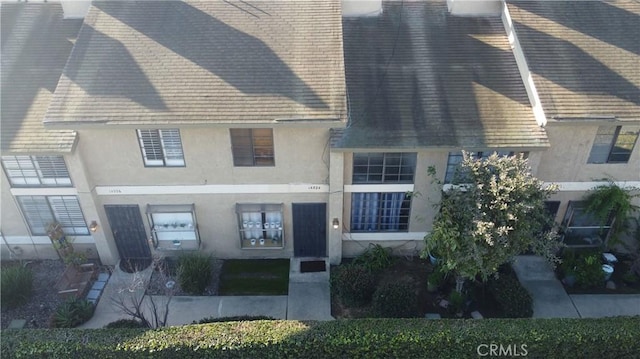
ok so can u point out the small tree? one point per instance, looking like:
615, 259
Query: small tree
494, 211
151, 311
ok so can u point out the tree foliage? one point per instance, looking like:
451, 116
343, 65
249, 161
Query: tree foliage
494, 211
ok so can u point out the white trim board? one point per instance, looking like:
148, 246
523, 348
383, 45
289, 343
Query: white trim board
384, 236
213, 189
585, 186
48, 191
369, 188
21, 240
575, 186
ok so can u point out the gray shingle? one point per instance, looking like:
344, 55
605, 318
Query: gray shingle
174, 62
418, 77
36, 43
584, 55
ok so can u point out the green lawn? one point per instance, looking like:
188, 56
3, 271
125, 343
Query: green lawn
254, 277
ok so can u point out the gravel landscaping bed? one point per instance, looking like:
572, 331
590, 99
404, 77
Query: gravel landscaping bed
44, 299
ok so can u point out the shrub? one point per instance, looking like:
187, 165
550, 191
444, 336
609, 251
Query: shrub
353, 284
515, 300
367, 338
124, 324
395, 300
240, 318
72, 313
589, 271
375, 258
16, 285
194, 272
456, 303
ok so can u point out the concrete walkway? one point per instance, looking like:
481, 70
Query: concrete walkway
309, 299
550, 300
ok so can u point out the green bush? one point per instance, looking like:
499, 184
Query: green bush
367, 338
375, 258
16, 285
395, 300
515, 300
124, 324
589, 271
353, 284
239, 318
72, 313
194, 272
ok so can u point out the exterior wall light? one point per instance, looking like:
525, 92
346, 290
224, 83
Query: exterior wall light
93, 227
336, 223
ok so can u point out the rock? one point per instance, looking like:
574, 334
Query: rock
476, 315
444, 303
611, 285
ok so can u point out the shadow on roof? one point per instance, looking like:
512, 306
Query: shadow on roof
243, 61
597, 19
567, 65
116, 75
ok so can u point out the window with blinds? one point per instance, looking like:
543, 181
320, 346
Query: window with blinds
252, 147
40, 211
36, 171
161, 148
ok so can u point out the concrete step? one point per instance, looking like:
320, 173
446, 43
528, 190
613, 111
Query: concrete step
296, 276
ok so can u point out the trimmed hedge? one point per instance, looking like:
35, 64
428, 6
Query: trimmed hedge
365, 338
515, 300
354, 284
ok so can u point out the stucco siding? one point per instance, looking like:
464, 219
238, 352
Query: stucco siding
113, 157
566, 160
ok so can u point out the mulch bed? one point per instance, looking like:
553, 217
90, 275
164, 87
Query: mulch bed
416, 271
157, 284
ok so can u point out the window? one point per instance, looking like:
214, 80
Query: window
613, 144
40, 211
583, 229
174, 227
260, 225
384, 167
161, 148
379, 212
252, 147
36, 171
455, 158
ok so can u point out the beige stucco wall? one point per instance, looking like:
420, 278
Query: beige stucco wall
15, 229
217, 219
566, 160
425, 195
113, 157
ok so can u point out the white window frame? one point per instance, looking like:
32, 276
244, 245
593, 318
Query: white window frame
163, 145
36, 171
379, 209
261, 226
407, 160
40, 211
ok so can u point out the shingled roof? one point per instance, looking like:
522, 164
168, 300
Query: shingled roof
418, 77
36, 43
204, 62
584, 56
